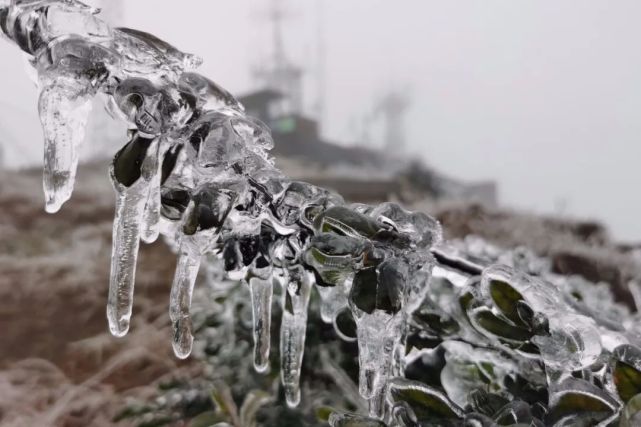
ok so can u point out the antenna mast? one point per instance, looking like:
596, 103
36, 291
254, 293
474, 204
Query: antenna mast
320, 64
281, 74
276, 15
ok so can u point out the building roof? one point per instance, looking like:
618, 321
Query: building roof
260, 98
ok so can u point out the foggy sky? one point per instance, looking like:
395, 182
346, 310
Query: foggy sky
544, 96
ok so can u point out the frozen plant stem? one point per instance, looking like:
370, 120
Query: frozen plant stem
197, 170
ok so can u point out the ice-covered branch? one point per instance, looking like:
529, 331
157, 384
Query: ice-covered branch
196, 169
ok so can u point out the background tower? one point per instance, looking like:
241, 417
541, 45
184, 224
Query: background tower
279, 73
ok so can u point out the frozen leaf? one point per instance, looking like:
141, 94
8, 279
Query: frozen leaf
353, 420
426, 402
626, 372
488, 322
506, 299
631, 414
576, 397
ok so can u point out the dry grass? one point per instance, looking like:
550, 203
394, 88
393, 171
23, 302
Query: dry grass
58, 364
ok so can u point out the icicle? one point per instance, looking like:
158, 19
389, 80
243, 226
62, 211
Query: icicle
126, 240
151, 216
64, 111
132, 189
292, 333
180, 301
261, 296
378, 335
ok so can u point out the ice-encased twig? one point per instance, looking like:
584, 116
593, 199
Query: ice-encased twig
180, 301
261, 297
128, 223
130, 204
151, 216
224, 185
64, 109
292, 334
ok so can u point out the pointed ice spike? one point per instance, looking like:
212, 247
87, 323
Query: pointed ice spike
63, 114
151, 217
378, 334
130, 175
292, 335
180, 301
126, 241
261, 296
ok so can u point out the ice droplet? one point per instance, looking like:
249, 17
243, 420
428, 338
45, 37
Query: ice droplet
180, 301
378, 334
64, 111
151, 217
261, 297
130, 205
292, 333
132, 192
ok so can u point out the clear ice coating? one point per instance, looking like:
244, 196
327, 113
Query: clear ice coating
486, 330
180, 300
261, 296
292, 331
64, 111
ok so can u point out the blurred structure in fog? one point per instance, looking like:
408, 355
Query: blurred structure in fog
280, 73
360, 174
392, 108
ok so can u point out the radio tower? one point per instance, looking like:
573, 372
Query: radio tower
280, 74
320, 64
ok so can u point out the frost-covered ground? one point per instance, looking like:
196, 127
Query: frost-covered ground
59, 365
